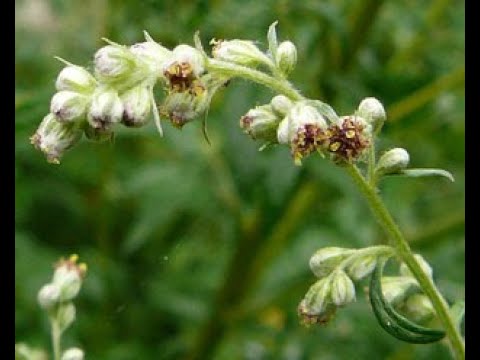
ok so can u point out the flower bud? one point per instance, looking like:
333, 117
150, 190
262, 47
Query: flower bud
68, 106
75, 78
113, 63
261, 123
362, 267
326, 259
372, 110
73, 354
396, 288
106, 109
242, 52
419, 308
318, 298
286, 57
393, 161
65, 315
405, 271
281, 105
48, 296
136, 106
183, 107
342, 289
152, 54
54, 138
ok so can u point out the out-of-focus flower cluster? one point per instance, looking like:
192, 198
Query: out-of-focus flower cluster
56, 298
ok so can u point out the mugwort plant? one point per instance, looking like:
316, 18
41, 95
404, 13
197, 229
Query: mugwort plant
119, 91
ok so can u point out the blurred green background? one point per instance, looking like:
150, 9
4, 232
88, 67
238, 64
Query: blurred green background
198, 251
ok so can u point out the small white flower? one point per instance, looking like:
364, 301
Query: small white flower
303, 128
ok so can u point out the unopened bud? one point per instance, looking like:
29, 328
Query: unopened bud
362, 267
281, 105
54, 138
372, 110
243, 52
261, 123
393, 161
326, 259
136, 106
48, 296
342, 289
405, 271
113, 62
106, 109
419, 308
396, 288
69, 106
73, 354
75, 78
183, 107
318, 297
286, 57
153, 54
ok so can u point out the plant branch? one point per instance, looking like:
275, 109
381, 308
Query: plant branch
406, 255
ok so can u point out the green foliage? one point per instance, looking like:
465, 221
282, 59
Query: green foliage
202, 250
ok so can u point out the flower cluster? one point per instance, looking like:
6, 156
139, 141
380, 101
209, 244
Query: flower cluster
308, 128
338, 268
120, 91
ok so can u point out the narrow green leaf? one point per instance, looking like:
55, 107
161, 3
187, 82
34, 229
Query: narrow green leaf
426, 172
272, 40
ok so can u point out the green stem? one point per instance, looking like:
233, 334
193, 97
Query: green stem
279, 85
407, 256
56, 336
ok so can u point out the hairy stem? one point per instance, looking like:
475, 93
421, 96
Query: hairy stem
406, 255
279, 85
56, 336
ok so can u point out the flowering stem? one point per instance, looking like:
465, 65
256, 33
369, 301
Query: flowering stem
279, 85
56, 337
406, 255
